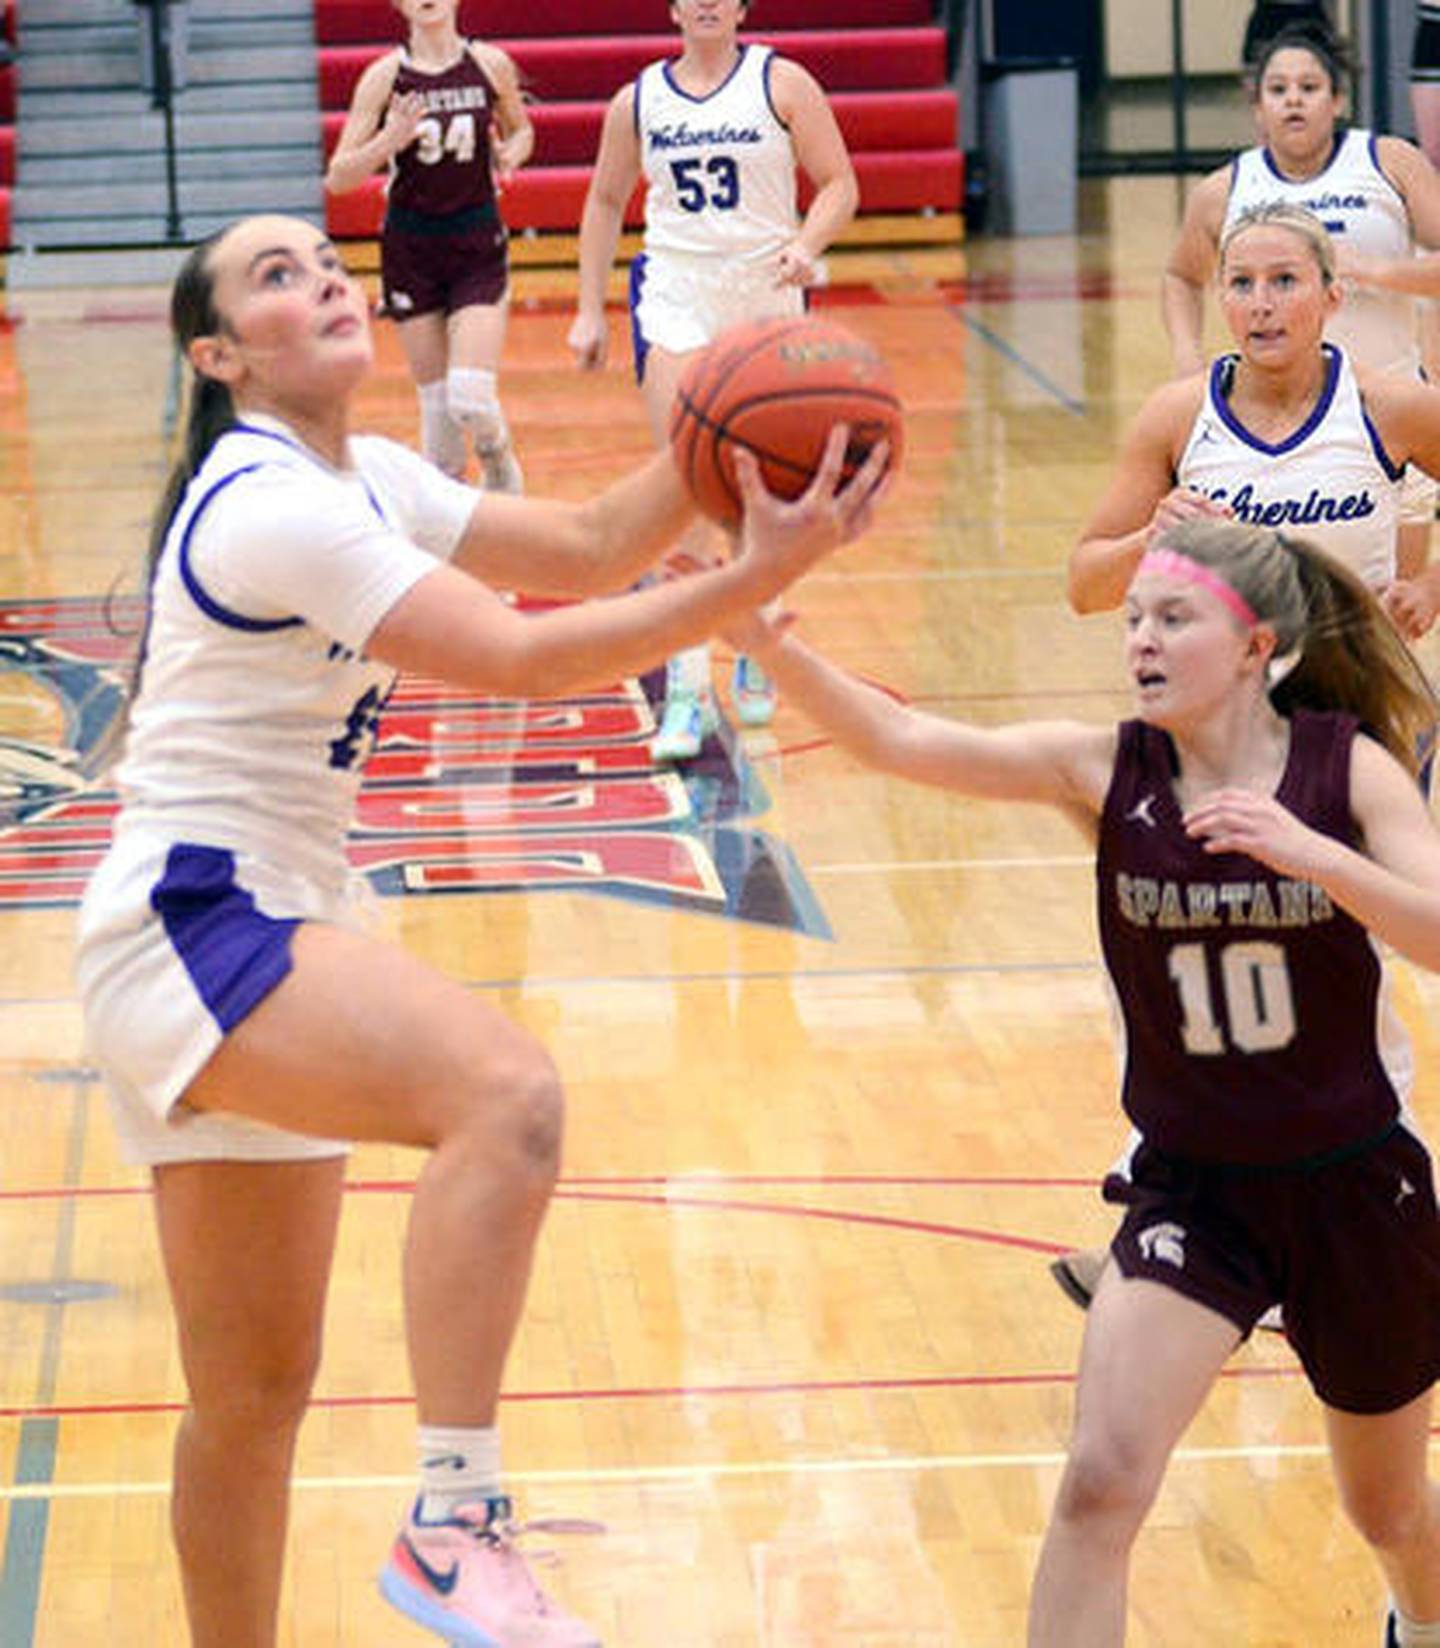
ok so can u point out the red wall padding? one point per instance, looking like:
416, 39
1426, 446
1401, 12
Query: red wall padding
568, 134
356, 22
7, 154
551, 197
596, 68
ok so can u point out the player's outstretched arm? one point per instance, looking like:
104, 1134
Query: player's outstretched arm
1062, 762
545, 546
454, 627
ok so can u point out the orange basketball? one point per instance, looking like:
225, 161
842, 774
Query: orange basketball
777, 388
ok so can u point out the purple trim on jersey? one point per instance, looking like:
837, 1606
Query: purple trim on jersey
639, 343
201, 597
665, 69
310, 457
198, 593
635, 102
234, 954
1220, 373
769, 100
1300, 182
1393, 470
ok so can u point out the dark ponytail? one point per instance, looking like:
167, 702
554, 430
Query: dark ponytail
210, 413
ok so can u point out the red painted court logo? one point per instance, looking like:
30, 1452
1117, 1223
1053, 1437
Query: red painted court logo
462, 794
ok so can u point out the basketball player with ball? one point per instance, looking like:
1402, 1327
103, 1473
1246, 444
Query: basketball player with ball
719, 133
246, 1024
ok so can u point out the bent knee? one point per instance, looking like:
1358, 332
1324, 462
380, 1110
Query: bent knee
1106, 1483
1388, 1520
515, 1112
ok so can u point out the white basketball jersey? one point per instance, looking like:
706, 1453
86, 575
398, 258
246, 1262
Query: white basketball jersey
720, 169
1330, 481
1361, 209
257, 707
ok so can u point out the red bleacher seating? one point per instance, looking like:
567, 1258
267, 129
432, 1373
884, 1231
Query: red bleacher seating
571, 69
362, 22
568, 134
882, 63
7, 93
7, 155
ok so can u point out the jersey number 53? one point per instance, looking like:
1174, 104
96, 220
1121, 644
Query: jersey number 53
701, 183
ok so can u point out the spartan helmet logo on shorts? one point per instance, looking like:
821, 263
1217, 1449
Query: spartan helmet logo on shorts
1164, 1241
401, 302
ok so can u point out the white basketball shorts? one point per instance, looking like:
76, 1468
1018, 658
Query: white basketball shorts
179, 942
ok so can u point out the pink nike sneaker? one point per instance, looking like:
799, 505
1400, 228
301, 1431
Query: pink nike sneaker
465, 1580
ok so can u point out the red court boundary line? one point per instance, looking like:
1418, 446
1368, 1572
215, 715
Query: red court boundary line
923, 1227
691, 1182
636, 1393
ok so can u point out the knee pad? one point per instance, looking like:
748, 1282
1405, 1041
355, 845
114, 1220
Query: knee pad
475, 405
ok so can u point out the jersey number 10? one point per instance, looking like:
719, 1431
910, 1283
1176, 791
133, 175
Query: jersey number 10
1259, 1002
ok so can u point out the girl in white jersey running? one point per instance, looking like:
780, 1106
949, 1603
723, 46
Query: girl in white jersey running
1377, 196
718, 133
1286, 433
243, 1023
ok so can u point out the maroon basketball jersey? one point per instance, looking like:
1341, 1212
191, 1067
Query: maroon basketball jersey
1252, 1006
447, 168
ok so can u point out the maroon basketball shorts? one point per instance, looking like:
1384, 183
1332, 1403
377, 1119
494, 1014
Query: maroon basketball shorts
436, 265
1348, 1245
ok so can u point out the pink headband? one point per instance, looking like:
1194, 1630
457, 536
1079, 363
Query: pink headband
1172, 564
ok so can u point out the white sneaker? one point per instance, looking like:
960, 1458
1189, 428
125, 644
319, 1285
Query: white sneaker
501, 469
687, 722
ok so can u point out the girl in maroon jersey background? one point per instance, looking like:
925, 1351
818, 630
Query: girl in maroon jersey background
446, 117
1256, 827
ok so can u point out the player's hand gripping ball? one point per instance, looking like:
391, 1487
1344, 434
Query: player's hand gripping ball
777, 388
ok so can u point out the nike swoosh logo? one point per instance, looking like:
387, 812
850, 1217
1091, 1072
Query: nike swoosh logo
443, 1583
455, 1461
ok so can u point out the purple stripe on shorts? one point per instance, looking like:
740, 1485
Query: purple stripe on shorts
234, 954
639, 342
